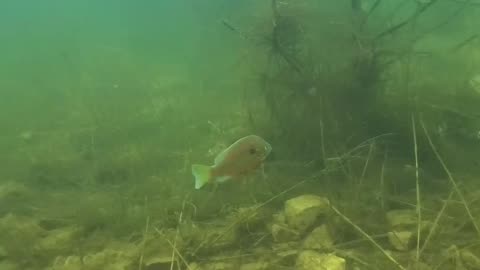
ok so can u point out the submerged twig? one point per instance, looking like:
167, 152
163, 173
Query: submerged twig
352, 257
234, 29
140, 262
322, 143
451, 179
464, 43
400, 25
254, 212
361, 240
274, 10
455, 13
174, 247
437, 220
374, 6
369, 238
364, 171
276, 45
356, 5
417, 187
365, 166
372, 9
382, 181
365, 143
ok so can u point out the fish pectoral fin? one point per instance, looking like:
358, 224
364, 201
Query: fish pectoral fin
261, 170
222, 179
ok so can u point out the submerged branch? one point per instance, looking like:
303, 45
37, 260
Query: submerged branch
455, 13
417, 188
464, 43
276, 44
234, 29
369, 238
372, 9
451, 179
400, 25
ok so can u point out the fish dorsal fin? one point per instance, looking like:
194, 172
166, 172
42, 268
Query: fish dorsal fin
221, 156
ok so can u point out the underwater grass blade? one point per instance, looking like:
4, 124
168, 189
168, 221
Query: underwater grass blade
373, 8
369, 238
369, 155
364, 171
437, 220
382, 181
234, 29
173, 246
446, 21
400, 25
365, 143
451, 179
417, 187
465, 42
147, 224
322, 142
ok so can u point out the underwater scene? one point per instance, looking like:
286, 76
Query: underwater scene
240, 135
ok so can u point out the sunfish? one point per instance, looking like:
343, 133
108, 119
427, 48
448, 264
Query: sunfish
241, 158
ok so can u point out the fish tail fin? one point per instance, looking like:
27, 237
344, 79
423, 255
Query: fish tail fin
202, 174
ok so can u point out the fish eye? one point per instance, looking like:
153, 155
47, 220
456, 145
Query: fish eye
252, 150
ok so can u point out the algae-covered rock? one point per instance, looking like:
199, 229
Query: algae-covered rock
283, 233
418, 265
302, 212
21, 234
401, 240
10, 191
195, 266
110, 259
220, 266
123, 258
403, 225
3, 253
286, 254
7, 265
280, 230
319, 238
255, 266
67, 263
312, 260
469, 259
402, 219
161, 263
58, 241
157, 251
114, 257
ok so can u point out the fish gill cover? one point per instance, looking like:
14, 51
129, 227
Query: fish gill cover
370, 108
